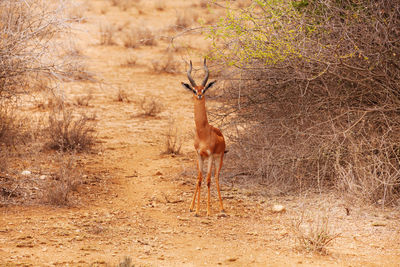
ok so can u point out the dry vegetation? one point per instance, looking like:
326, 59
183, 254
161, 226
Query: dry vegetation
173, 140
185, 19
67, 133
313, 234
124, 5
138, 36
64, 182
122, 96
26, 67
107, 34
130, 62
320, 108
166, 64
150, 107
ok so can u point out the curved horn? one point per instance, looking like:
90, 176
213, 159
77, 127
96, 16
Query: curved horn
206, 71
189, 75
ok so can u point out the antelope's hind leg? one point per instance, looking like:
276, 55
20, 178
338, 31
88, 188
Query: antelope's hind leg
209, 170
217, 170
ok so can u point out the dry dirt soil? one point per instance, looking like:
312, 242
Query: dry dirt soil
140, 208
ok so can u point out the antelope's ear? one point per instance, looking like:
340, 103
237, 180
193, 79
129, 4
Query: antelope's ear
187, 87
209, 85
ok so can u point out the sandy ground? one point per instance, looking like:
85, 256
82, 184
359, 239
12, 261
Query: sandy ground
140, 206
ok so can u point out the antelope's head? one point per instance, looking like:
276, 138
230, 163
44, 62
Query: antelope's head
198, 90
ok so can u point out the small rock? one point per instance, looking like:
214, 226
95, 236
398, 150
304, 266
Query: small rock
26, 173
232, 259
159, 173
278, 208
42, 177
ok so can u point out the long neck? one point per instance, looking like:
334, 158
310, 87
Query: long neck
200, 115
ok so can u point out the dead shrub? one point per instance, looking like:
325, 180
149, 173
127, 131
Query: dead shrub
67, 133
77, 13
166, 64
10, 127
126, 262
130, 62
137, 37
76, 70
107, 34
25, 55
150, 107
84, 100
313, 234
146, 37
122, 96
185, 19
309, 108
369, 174
64, 182
173, 140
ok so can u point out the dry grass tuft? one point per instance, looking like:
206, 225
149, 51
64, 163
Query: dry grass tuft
65, 181
166, 64
137, 37
130, 62
185, 19
150, 107
173, 141
83, 100
67, 133
77, 71
107, 34
10, 126
315, 235
127, 262
122, 96
77, 13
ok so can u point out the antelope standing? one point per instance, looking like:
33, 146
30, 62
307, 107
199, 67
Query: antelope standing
209, 141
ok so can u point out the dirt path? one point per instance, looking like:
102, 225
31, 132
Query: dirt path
141, 208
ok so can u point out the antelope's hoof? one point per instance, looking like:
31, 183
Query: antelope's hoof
196, 215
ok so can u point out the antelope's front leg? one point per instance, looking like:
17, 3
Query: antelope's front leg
198, 184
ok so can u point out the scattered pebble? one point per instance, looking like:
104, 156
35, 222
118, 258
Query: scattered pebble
278, 208
26, 173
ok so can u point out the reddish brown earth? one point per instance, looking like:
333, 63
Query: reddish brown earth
139, 207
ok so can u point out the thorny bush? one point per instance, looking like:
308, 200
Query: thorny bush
315, 94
